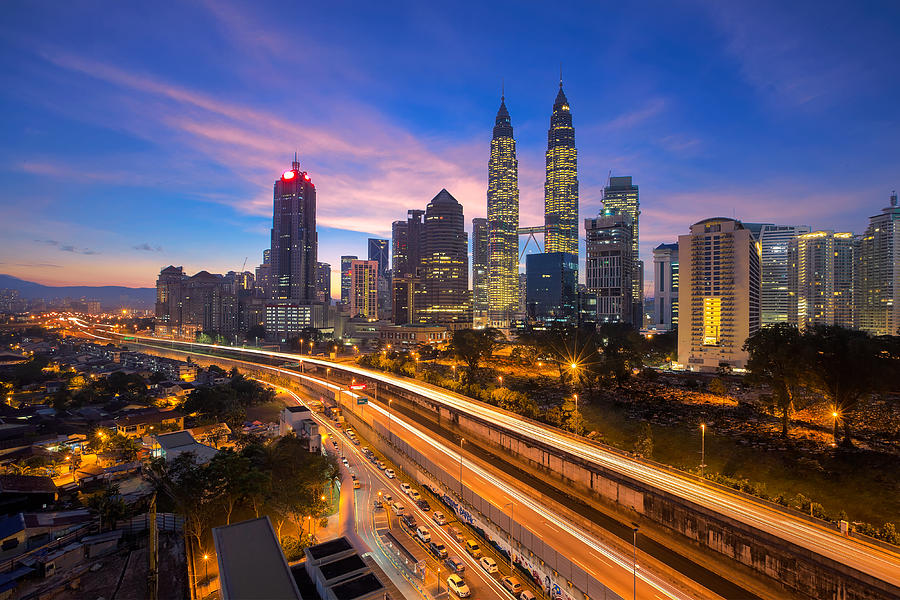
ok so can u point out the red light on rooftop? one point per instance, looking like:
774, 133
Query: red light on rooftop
306, 176
288, 175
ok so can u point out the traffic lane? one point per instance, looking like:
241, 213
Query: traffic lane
601, 563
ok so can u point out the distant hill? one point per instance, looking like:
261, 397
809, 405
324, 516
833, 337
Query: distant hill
109, 295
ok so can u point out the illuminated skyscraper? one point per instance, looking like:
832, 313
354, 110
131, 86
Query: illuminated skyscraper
774, 242
561, 185
877, 285
621, 197
502, 224
346, 263
364, 288
323, 282
820, 281
480, 271
445, 265
609, 266
294, 241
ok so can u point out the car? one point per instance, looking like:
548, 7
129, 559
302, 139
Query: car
348, 431
526, 595
356, 484
387, 497
473, 548
439, 518
438, 549
513, 585
398, 508
423, 534
345, 461
334, 443
405, 487
355, 440
378, 504
414, 495
455, 565
456, 534
409, 521
381, 465
365, 450
423, 504
488, 564
458, 585
389, 473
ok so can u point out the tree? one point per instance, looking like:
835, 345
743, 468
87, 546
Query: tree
845, 367
516, 402
471, 346
109, 506
717, 387
777, 354
643, 446
231, 479
257, 332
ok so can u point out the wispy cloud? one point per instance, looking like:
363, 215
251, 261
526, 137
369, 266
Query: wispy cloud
145, 247
651, 109
67, 247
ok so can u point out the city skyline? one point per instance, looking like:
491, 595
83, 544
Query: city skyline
193, 148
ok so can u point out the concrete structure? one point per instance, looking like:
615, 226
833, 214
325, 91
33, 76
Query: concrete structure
552, 287
405, 293
299, 420
774, 294
346, 274
561, 184
406, 244
609, 266
877, 278
251, 563
285, 319
149, 422
323, 282
294, 238
170, 446
480, 279
445, 265
340, 574
622, 197
502, 224
718, 294
665, 286
820, 279
411, 335
201, 303
364, 289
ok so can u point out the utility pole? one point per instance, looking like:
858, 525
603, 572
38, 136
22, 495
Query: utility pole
634, 529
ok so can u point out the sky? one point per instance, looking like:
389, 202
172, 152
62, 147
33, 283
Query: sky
138, 135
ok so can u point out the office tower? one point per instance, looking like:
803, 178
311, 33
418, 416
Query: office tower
820, 268
294, 242
263, 288
774, 242
621, 196
665, 286
846, 246
480, 270
718, 294
405, 293
877, 285
406, 244
346, 262
561, 185
610, 265
364, 289
445, 264
323, 282
169, 301
379, 252
551, 289
502, 224
523, 289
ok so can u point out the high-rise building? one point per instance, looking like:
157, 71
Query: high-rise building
169, 301
480, 277
263, 285
609, 266
406, 244
774, 242
294, 241
877, 279
445, 264
665, 286
820, 273
380, 253
364, 288
346, 262
502, 225
718, 294
405, 293
202, 303
561, 185
551, 289
323, 282
621, 196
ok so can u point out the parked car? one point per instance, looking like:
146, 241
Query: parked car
398, 508
488, 564
409, 521
423, 534
405, 487
389, 473
438, 549
414, 495
456, 534
345, 461
455, 565
526, 595
473, 548
513, 585
458, 586
387, 497
381, 465
378, 505
423, 504
439, 518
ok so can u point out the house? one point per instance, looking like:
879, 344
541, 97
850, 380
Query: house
145, 423
171, 445
251, 562
211, 435
298, 419
12, 536
18, 492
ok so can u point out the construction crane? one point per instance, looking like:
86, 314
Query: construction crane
243, 266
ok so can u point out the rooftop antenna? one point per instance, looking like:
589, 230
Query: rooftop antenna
560, 74
502, 88
894, 198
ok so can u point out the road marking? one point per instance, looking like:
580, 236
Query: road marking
552, 527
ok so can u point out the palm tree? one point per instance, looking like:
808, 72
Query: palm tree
776, 360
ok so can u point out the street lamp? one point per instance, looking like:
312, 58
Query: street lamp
390, 418
461, 440
634, 530
500, 379
453, 368
702, 448
834, 416
509, 534
206, 568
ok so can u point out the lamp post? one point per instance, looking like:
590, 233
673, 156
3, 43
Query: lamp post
634, 530
509, 534
500, 379
461, 440
301, 345
206, 569
702, 448
453, 368
834, 416
390, 418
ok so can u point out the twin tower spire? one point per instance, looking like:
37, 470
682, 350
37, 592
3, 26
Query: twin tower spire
560, 204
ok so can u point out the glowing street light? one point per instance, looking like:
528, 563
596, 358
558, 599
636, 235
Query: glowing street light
702, 448
500, 379
834, 416
206, 567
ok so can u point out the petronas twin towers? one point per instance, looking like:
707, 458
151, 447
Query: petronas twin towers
560, 205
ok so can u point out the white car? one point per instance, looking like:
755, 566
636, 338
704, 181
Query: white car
487, 563
389, 473
458, 586
439, 518
345, 461
414, 495
405, 487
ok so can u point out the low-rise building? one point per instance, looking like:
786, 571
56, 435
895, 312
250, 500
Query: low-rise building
149, 422
411, 335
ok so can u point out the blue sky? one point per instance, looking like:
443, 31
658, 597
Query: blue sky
141, 135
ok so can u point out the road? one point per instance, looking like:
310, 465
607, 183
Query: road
866, 558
